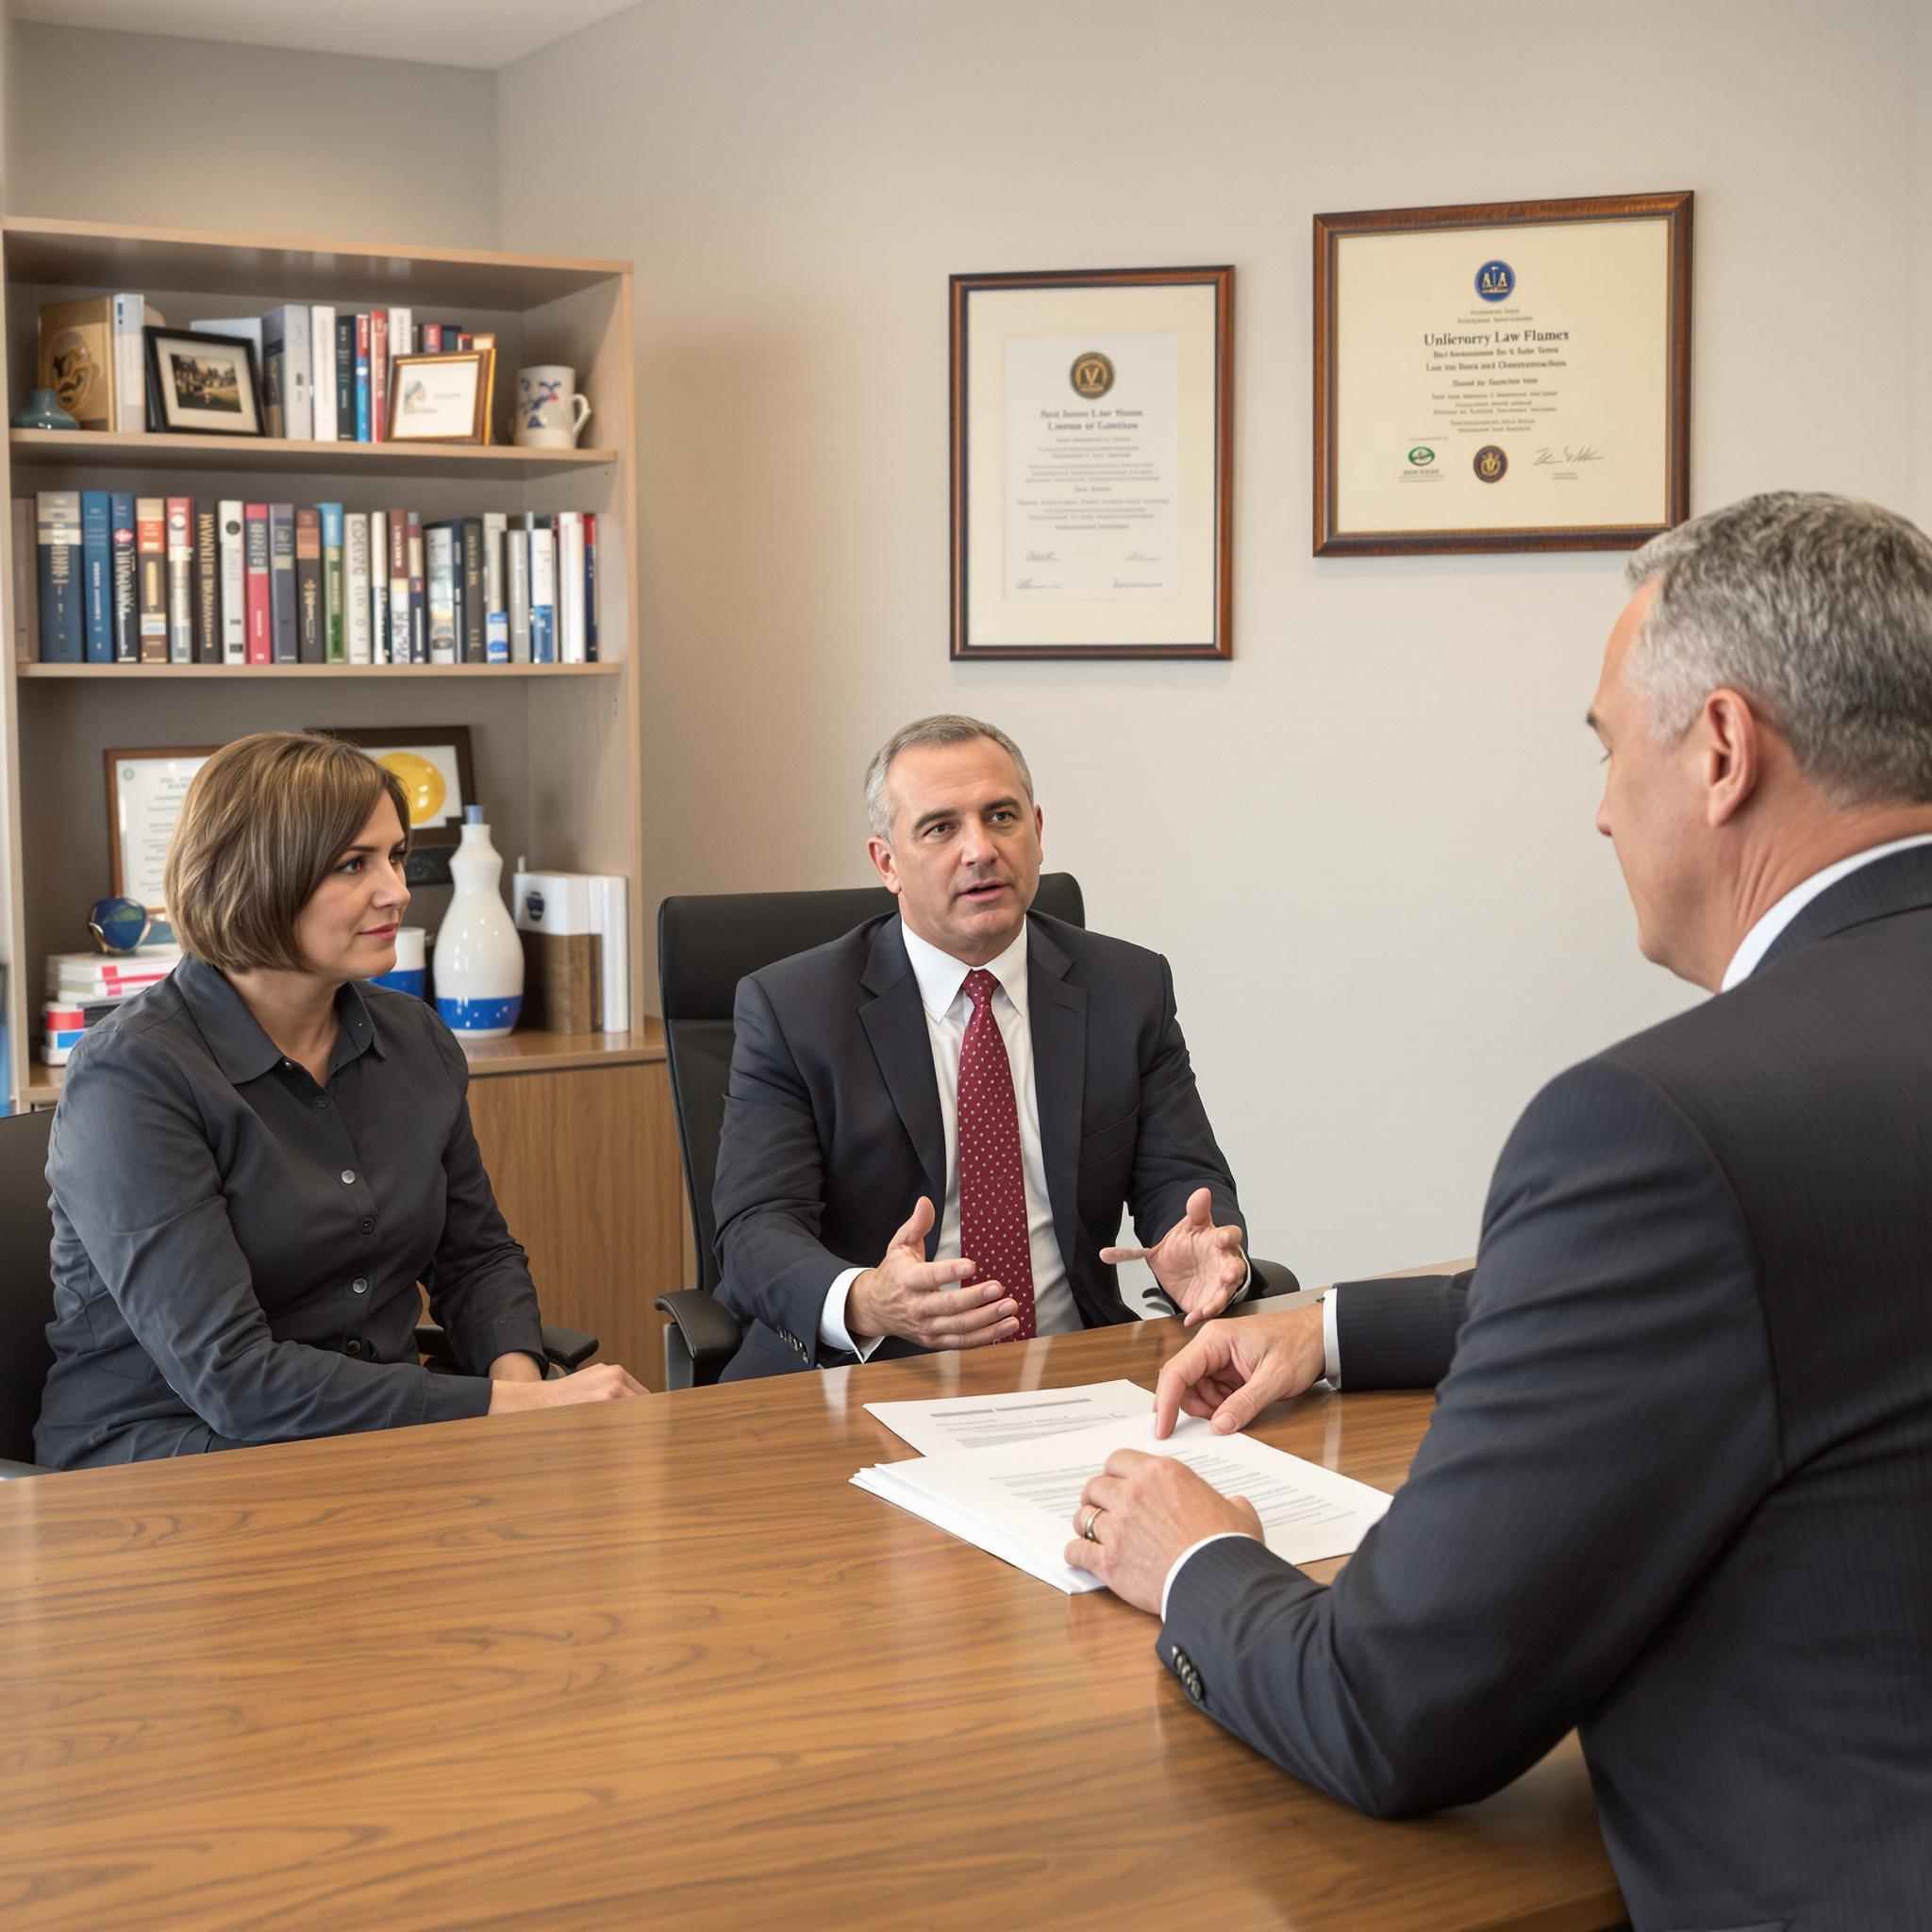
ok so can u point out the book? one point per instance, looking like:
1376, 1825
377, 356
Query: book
25, 601
516, 571
495, 590
258, 565
363, 353
610, 912
357, 641
308, 614
98, 574
556, 924
233, 582
334, 590
475, 649
321, 349
151, 554
126, 567
543, 591
378, 586
63, 621
398, 586
439, 543
131, 313
378, 375
402, 334
288, 371
284, 628
570, 587
418, 614
180, 580
207, 582
590, 592
345, 377
77, 360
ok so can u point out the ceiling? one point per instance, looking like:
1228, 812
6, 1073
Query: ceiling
448, 33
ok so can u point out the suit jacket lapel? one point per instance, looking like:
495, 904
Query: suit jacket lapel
894, 1022
1056, 1013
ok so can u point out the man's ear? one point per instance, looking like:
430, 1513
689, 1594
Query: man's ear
880, 853
1731, 753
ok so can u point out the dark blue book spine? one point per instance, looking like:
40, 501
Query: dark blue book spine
345, 378
281, 577
96, 556
590, 590
62, 623
126, 607
362, 354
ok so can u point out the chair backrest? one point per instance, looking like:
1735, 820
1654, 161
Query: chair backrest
27, 1289
707, 943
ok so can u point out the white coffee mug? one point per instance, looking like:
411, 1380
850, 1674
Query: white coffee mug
550, 413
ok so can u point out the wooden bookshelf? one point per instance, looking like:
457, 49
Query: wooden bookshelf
92, 449
252, 672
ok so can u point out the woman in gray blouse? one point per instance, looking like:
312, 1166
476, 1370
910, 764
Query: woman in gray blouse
255, 1162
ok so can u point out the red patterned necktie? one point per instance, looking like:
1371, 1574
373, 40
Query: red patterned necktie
992, 1194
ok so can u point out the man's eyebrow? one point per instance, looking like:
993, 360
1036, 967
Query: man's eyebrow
952, 811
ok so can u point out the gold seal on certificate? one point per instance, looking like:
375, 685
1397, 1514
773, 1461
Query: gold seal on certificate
1502, 377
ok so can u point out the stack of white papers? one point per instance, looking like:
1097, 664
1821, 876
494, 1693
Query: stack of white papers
1015, 1490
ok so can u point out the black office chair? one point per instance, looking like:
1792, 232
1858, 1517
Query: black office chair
706, 943
26, 1296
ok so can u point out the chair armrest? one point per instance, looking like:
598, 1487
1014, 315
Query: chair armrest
8, 1470
707, 1329
567, 1348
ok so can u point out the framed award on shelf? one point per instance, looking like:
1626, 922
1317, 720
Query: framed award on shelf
146, 792
1092, 471
1501, 377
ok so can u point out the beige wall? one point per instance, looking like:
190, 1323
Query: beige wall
200, 133
1366, 844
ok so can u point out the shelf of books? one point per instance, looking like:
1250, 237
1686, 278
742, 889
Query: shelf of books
171, 588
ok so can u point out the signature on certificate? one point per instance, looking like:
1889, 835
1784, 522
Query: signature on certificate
1032, 584
1042, 557
1570, 452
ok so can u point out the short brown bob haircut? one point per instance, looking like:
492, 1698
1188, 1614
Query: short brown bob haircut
265, 821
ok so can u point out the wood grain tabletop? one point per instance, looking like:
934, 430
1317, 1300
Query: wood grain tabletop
659, 1663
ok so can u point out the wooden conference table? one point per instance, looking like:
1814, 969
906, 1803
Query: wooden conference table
658, 1664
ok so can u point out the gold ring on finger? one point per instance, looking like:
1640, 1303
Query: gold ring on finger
1094, 1512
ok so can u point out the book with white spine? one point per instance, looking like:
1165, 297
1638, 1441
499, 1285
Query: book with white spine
355, 638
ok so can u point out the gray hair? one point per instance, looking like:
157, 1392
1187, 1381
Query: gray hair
1818, 611
944, 728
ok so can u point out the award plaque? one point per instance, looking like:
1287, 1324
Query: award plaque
145, 790
1506, 377
1092, 413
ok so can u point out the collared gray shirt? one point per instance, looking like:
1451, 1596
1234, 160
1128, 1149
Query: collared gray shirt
237, 1250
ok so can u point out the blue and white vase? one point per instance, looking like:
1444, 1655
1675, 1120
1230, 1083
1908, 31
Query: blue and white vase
479, 960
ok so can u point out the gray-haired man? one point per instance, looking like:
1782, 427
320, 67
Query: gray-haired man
1678, 1487
934, 1122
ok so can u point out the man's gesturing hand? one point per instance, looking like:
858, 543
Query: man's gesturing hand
1233, 1370
1198, 1264
919, 1300
1151, 1508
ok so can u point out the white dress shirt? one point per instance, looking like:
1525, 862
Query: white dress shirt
1744, 961
943, 994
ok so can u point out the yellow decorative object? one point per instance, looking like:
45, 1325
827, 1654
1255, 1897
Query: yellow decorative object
422, 786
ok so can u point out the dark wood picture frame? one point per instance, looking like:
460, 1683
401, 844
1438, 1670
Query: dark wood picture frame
1673, 209
162, 381
455, 738
1220, 643
483, 362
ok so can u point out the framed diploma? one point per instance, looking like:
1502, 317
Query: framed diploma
1092, 483
145, 790
1507, 376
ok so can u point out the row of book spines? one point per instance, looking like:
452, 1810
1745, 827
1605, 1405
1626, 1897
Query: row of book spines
329, 380
177, 580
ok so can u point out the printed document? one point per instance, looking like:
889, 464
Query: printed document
987, 1421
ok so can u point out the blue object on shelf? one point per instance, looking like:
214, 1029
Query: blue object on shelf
43, 411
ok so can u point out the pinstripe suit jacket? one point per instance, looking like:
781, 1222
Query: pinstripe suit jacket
1678, 1487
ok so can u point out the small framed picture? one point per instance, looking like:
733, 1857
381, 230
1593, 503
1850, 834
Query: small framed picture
440, 398
431, 761
146, 792
203, 385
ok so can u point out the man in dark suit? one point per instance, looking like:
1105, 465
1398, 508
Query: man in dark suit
1677, 1492
933, 1123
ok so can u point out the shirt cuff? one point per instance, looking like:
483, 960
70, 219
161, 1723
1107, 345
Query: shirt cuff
833, 1332
1331, 1345
1167, 1588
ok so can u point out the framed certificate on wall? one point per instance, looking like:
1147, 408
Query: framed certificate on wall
1091, 424
1503, 377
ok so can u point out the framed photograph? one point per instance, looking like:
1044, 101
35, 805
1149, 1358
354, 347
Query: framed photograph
145, 789
1093, 420
1508, 376
202, 385
432, 762
442, 398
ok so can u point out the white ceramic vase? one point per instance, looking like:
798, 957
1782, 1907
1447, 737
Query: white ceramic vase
479, 960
